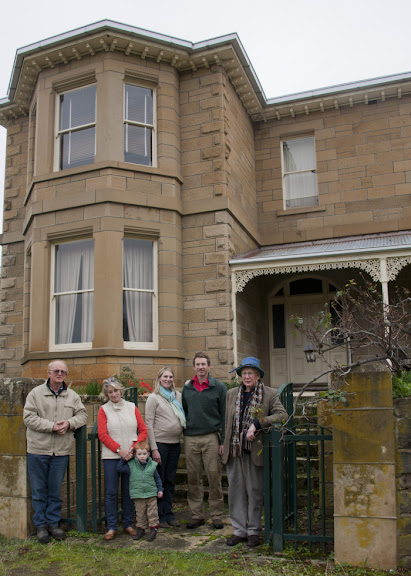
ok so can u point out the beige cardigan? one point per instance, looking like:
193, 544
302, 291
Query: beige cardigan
161, 421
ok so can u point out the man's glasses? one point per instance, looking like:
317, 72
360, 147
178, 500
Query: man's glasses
63, 372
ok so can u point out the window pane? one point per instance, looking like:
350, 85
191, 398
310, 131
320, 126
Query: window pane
139, 104
74, 271
137, 317
78, 107
306, 286
299, 154
77, 148
137, 144
278, 326
301, 189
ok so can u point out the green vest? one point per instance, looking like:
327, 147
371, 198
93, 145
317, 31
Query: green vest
142, 483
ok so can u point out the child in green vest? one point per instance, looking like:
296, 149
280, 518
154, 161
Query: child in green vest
145, 488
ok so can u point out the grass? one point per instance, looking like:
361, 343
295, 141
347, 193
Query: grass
87, 555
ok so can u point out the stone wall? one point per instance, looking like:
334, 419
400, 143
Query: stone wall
402, 414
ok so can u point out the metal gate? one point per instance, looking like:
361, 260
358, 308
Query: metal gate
298, 498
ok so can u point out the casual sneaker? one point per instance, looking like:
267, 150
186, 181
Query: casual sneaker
140, 534
152, 535
43, 535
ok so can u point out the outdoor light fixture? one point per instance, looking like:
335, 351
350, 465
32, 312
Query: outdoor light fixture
309, 352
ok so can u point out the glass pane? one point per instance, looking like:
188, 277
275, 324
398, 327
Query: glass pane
137, 144
77, 148
138, 104
78, 107
138, 264
299, 154
306, 286
74, 318
137, 317
74, 269
301, 189
278, 326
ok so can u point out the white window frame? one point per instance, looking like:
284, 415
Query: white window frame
59, 133
154, 291
151, 127
52, 327
312, 169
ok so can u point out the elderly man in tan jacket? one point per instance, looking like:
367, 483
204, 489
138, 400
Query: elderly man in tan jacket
52, 413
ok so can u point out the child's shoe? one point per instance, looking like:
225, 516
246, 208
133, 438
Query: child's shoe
140, 534
152, 535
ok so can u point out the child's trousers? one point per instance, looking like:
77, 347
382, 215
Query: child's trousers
146, 512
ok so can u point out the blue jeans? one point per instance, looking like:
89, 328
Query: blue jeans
46, 475
111, 478
169, 461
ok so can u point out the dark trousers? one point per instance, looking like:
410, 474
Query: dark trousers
170, 454
111, 478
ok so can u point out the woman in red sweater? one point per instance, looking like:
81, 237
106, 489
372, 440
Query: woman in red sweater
120, 426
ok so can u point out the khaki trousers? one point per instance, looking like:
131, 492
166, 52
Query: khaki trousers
146, 512
201, 452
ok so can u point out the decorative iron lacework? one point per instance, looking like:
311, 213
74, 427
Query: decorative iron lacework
373, 268
395, 265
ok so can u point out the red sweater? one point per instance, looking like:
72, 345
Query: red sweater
108, 441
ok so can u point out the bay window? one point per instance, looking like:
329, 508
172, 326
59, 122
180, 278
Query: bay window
76, 127
300, 188
139, 293
138, 125
72, 313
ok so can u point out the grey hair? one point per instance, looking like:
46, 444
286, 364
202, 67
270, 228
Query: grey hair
114, 383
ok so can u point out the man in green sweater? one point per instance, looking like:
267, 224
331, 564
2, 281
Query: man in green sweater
203, 400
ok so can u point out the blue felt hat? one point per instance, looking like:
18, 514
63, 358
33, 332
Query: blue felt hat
249, 362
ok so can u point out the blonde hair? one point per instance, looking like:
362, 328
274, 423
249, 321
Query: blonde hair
114, 383
158, 379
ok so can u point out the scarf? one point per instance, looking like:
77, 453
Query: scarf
170, 396
239, 441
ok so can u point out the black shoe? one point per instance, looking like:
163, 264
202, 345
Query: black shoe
253, 540
57, 533
218, 525
234, 540
43, 535
140, 534
195, 523
152, 535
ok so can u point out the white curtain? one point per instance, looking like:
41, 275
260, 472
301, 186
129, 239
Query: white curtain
74, 266
138, 276
301, 187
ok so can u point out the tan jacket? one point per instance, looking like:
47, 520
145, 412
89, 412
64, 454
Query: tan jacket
41, 410
272, 411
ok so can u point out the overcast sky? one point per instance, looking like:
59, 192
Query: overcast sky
293, 45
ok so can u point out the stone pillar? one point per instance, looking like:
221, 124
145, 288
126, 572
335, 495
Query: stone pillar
364, 473
15, 496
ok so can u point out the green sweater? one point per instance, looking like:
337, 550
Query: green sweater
205, 411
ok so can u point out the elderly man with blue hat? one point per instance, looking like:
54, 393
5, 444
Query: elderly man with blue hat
249, 408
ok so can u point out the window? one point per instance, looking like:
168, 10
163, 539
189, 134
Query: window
138, 125
299, 173
72, 313
139, 293
77, 127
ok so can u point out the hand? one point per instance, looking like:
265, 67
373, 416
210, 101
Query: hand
61, 427
221, 450
125, 454
156, 456
251, 433
160, 494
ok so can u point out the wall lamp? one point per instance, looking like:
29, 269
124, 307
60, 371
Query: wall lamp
309, 352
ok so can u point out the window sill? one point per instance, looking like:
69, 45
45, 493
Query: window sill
101, 352
302, 210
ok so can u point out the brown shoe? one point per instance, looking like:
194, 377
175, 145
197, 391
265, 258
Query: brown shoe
111, 534
130, 530
253, 540
234, 540
218, 525
195, 523
164, 525
174, 523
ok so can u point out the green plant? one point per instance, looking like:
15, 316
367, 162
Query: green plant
401, 385
92, 388
129, 379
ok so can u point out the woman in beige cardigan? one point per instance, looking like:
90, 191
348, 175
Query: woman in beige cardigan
165, 420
